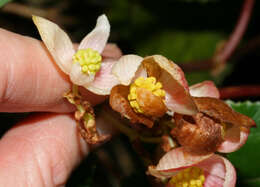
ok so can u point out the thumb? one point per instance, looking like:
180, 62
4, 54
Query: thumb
41, 151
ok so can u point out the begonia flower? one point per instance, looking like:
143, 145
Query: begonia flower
85, 66
149, 87
184, 169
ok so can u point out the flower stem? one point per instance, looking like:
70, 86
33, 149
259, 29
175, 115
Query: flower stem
239, 91
230, 45
238, 32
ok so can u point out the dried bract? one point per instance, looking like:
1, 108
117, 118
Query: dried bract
198, 133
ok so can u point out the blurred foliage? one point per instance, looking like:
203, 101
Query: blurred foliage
3, 2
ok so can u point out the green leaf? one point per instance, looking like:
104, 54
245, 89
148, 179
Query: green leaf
247, 159
3, 2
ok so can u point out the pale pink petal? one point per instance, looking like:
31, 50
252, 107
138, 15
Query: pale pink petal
212, 181
174, 83
161, 173
230, 178
179, 76
79, 78
177, 99
176, 160
204, 89
214, 165
57, 42
98, 37
112, 51
126, 67
232, 142
104, 79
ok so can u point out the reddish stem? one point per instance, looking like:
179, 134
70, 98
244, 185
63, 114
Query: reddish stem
233, 92
238, 32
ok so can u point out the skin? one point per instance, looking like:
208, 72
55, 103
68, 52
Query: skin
43, 149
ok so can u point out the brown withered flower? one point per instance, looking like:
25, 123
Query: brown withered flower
149, 87
215, 128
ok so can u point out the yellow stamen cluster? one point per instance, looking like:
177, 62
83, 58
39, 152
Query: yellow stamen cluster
147, 83
190, 177
89, 60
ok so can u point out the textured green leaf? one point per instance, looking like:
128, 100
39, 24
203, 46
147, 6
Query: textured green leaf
3, 2
246, 160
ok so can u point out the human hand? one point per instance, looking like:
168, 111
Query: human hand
43, 149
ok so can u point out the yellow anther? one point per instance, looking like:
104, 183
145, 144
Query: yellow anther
147, 83
89, 60
190, 177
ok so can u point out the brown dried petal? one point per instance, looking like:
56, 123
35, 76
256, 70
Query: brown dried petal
119, 102
149, 103
86, 128
220, 111
200, 134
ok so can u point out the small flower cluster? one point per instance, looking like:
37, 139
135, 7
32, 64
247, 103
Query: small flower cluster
144, 90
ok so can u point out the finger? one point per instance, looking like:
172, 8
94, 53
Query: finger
29, 79
41, 151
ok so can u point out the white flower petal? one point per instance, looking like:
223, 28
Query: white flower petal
126, 67
79, 78
57, 42
104, 80
98, 37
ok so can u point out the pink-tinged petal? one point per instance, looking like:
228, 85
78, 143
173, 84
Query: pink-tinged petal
214, 165
160, 173
233, 140
126, 67
170, 67
204, 89
176, 160
174, 83
212, 181
104, 79
79, 78
230, 178
112, 51
177, 99
179, 76
98, 37
57, 42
